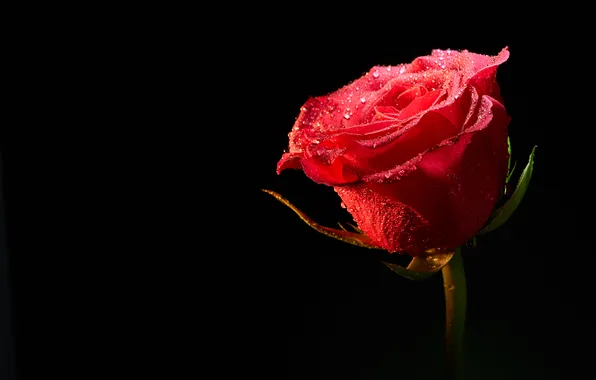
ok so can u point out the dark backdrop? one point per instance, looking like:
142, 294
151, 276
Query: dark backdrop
329, 310
140, 241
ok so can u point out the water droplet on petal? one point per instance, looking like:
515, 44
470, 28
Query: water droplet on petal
402, 69
343, 205
376, 74
388, 68
387, 174
363, 100
346, 116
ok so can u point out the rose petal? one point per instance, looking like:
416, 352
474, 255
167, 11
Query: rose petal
289, 161
366, 157
446, 200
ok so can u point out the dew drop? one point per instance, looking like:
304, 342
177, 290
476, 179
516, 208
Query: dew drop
363, 100
346, 116
376, 74
387, 174
343, 205
402, 70
388, 68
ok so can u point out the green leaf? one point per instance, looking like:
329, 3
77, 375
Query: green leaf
410, 275
511, 172
503, 213
422, 267
353, 238
509, 151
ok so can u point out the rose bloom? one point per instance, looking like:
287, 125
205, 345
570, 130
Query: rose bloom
417, 152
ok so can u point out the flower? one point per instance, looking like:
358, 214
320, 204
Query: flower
417, 152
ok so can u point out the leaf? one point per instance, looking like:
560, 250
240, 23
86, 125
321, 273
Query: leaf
353, 238
342, 227
511, 172
422, 267
410, 275
355, 228
509, 151
502, 214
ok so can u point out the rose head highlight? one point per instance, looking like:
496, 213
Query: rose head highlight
417, 152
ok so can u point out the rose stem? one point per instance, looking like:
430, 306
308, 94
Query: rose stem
454, 281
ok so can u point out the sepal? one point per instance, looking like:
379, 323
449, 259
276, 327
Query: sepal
503, 213
420, 268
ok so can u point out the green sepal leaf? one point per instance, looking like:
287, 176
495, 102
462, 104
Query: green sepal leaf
509, 151
353, 238
511, 172
422, 267
503, 213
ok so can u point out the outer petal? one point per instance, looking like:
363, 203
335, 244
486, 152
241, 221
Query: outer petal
376, 153
446, 199
379, 122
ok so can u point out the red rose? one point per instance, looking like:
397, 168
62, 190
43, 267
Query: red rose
417, 152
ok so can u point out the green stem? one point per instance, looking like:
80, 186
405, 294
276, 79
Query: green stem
454, 281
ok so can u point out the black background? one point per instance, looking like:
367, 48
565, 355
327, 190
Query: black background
140, 241
340, 314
